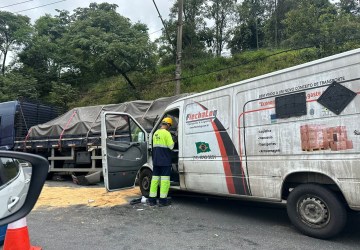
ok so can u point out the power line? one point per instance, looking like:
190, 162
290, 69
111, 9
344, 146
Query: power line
2, 7
155, 32
37, 7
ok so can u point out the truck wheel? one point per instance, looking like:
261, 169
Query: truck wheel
316, 211
145, 181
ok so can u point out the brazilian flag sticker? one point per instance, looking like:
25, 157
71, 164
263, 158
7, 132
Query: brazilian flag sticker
202, 147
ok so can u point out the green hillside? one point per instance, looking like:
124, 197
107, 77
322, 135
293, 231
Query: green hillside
198, 75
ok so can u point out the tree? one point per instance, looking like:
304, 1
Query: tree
274, 28
349, 6
220, 11
45, 56
14, 32
62, 94
338, 32
244, 38
15, 85
196, 35
101, 42
248, 34
303, 24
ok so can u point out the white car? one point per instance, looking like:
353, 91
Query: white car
22, 177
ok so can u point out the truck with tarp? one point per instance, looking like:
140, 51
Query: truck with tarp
290, 136
72, 143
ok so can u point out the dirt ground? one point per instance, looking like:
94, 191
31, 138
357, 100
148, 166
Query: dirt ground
65, 194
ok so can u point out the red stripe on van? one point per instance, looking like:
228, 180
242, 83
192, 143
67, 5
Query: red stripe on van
225, 160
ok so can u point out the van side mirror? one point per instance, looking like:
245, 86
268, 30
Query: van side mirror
22, 177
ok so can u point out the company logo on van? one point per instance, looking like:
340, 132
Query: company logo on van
201, 115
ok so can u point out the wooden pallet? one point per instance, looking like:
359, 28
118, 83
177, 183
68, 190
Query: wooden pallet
313, 149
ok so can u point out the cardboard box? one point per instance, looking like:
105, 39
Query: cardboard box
334, 146
339, 137
315, 145
340, 129
304, 129
349, 145
339, 145
342, 145
304, 137
304, 145
330, 131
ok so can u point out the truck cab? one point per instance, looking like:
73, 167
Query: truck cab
7, 124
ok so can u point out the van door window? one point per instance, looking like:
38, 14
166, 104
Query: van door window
137, 135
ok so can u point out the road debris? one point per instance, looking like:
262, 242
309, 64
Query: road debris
65, 196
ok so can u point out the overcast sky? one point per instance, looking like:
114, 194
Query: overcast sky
137, 10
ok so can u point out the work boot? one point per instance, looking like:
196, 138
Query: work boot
151, 202
163, 202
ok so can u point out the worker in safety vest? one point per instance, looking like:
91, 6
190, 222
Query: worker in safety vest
161, 155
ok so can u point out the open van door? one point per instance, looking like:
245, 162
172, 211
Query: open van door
124, 149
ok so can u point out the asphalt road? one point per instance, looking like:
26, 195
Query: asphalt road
190, 223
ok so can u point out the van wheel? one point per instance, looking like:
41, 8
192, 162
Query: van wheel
145, 181
316, 211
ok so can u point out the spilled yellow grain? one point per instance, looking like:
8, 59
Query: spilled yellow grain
60, 197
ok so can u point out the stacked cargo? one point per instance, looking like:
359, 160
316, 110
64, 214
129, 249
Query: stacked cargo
313, 137
318, 137
338, 139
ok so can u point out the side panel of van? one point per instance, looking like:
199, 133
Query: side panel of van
210, 160
314, 139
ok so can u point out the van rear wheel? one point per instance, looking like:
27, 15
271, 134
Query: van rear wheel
145, 181
316, 211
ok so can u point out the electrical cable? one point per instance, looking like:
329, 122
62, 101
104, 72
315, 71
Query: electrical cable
37, 7
2, 7
155, 32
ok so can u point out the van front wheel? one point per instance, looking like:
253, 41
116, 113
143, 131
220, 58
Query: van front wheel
316, 211
145, 181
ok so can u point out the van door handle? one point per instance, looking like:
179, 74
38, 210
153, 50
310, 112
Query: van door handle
12, 202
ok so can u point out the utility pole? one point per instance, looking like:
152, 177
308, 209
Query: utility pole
276, 25
179, 48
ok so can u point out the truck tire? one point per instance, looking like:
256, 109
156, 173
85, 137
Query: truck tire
145, 181
316, 211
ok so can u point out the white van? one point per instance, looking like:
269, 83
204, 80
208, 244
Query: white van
292, 135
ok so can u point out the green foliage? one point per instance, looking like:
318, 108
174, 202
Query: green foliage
62, 94
196, 36
201, 75
220, 11
14, 32
304, 24
42, 57
14, 86
349, 6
